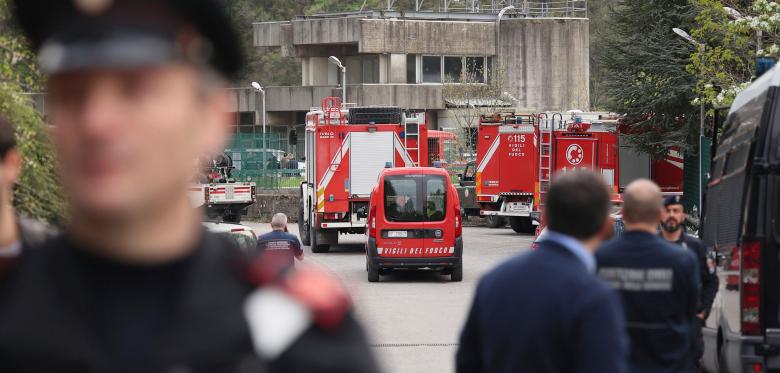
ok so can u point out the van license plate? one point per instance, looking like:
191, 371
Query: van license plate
396, 234
518, 207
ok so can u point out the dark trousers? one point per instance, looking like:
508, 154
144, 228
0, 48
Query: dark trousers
697, 341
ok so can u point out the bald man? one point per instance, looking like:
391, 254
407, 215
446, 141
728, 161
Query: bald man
658, 283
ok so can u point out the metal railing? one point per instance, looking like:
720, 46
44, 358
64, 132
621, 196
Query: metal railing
537, 8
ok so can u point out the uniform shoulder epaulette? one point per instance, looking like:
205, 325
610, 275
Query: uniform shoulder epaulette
320, 293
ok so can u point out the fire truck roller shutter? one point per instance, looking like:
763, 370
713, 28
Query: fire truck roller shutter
375, 114
369, 153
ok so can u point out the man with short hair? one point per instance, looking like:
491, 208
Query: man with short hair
136, 284
278, 246
657, 281
546, 311
672, 230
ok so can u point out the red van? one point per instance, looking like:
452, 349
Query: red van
414, 222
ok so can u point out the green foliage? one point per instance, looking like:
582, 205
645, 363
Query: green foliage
725, 63
38, 193
645, 63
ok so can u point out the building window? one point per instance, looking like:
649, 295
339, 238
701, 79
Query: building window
411, 68
370, 69
431, 66
453, 69
475, 70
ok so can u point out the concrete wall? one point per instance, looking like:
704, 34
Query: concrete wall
268, 203
546, 62
326, 31
431, 37
408, 96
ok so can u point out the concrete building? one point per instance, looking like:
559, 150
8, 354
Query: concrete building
407, 59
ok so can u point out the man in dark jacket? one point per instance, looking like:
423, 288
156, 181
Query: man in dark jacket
135, 284
672, 231
546, 311
658, 283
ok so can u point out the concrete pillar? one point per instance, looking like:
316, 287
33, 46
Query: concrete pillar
321, 72
397, 69
305, 76
384, 61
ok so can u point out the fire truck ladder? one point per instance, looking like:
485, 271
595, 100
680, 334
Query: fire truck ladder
331, 107
412, 130
546, 152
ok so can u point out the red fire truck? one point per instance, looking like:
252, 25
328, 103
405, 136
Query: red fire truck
517, 155
345, 152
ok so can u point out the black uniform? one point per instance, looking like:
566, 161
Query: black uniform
63, 309
659, 286
709, 287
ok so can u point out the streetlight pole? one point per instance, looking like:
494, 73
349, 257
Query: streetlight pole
498, 32
337, 62
260, 89
701, 48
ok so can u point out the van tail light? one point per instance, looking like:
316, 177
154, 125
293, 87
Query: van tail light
206, 195
237, 230
458, 225
372, 221
751, 287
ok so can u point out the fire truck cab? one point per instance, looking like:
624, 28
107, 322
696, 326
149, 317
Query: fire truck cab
414, 223
345, 152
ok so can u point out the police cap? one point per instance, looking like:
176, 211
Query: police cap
673, 200
81, 34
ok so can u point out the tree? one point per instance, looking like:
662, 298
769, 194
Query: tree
469, 100
646, 66
38, 193
725, 63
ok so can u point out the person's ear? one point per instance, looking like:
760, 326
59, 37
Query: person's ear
607, 231
12, 166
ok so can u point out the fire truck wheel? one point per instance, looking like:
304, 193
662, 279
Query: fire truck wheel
373, 272
457, 273
303, 229
521, 224
321, 248
495, 221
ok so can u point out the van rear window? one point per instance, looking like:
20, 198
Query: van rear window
416, 198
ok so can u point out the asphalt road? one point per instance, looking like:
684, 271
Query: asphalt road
413, 319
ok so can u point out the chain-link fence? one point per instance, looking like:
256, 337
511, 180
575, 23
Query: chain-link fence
265, 159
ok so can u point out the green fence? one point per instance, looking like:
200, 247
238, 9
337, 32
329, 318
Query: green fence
268, 161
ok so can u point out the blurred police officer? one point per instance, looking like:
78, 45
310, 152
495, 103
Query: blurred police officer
658, 282
672, 230
136, 284
546, 311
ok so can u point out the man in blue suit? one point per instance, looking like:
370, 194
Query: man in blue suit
546, 311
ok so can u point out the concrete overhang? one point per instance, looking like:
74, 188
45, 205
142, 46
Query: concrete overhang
407, 96
301, 37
